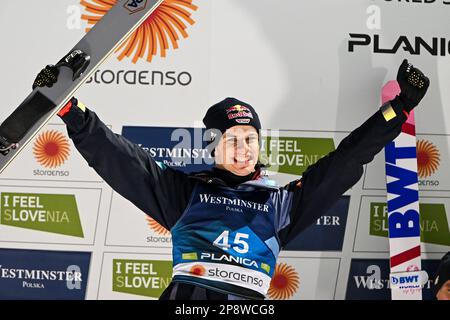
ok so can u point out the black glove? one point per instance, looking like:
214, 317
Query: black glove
76, 60
47, 77
413, 85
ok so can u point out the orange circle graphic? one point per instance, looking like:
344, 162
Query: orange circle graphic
162, 27
197, 270
51, 149
156, 227
428, 158
285, 282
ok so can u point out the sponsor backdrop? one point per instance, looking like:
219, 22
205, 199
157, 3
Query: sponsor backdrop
312, 69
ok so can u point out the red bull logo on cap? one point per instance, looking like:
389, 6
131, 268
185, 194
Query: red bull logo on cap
239, 111
237, 108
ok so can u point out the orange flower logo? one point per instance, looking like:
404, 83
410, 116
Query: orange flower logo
197, 270
285, 282
156, 227
428, 158
163, 26
51, 149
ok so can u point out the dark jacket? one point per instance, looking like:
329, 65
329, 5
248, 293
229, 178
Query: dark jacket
165, 193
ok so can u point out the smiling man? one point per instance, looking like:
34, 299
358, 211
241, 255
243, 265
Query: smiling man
228, 224
235, 128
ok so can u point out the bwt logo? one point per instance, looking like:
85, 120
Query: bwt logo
135, 5
405, 280
403, 222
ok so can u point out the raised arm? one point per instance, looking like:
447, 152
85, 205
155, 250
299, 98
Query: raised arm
159, 191
324, 182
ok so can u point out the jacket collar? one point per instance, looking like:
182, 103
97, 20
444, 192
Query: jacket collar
261, 181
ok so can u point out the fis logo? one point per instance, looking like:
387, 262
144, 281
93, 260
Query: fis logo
135, 5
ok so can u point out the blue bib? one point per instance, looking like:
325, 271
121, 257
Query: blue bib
226, 240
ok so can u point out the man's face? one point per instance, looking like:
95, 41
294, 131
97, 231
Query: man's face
444, 292
238, 150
